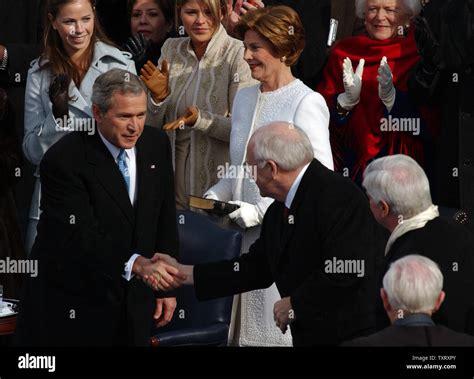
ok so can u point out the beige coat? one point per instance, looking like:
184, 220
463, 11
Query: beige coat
222, 71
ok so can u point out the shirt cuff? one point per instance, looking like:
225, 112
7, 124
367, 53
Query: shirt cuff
128, 274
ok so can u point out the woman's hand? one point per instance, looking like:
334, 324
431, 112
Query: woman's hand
156, 80
59, 96
352, 84
137, 45
246, 216
386, 89
189, 118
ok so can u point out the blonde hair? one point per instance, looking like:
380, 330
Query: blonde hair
218, 10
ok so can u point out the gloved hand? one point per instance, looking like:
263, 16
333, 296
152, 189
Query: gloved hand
138, 45
59, 96
210, 195
386, 89
246, 216
156, 80
188, 118
352, 84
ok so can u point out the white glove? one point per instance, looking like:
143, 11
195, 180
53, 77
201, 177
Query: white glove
246, 216
386, 89
210, 195
352, 84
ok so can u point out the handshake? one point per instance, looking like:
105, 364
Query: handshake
162, 272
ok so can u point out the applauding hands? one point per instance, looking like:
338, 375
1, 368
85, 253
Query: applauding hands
156, 80
386, 88
189, 118
352, 84
352, 81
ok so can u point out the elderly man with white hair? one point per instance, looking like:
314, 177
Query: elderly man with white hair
400, 200
412, 291
317, 243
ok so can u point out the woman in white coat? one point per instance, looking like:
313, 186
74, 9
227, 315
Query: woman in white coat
59, 84
273, 39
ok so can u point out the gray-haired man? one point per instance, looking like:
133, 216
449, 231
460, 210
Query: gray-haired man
317, 244
400, 199
413, 291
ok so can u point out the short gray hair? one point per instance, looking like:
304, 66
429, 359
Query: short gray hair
290, 150
115, 80
411, 7
413, 284
401, 182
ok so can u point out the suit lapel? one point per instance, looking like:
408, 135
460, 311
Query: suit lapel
294, 214
108, 174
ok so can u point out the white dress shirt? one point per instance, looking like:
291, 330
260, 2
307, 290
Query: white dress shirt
132, 193
294, 187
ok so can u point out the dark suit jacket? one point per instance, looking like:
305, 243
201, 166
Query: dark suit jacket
451, 246
87, 232
436, 335
331, 219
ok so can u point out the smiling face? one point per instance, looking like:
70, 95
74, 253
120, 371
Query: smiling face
124, 121
147, 18
385, 18
198, 21
75, 25
259, 55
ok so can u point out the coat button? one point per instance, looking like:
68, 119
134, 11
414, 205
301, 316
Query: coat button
461, 217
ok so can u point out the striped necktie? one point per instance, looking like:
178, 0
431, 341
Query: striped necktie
122, 165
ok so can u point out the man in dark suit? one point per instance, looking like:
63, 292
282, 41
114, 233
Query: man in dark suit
107, 207
399, 195
411, 293
317, 243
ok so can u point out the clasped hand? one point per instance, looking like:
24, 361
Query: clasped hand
158, 274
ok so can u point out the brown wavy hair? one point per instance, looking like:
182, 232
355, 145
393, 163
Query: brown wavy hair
58, 60
280, 26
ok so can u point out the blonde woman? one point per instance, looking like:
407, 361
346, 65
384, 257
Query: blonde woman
193, 89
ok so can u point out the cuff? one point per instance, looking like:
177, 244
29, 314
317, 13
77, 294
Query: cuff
128, 274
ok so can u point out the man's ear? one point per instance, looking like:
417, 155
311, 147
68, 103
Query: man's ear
439, 301
384, 208
386, 304
274, 168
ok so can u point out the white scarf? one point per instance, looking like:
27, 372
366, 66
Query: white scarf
416, 222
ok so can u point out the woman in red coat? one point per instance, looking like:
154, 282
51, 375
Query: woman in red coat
365, 86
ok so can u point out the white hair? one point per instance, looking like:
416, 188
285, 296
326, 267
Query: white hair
413, 284
401, 182
289, 150
411, 7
